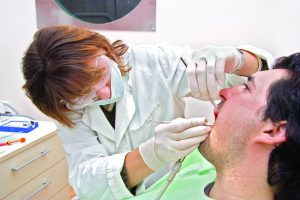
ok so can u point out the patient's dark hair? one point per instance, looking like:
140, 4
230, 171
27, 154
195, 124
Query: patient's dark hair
284, 104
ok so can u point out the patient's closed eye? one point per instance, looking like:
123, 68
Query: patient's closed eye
246, 86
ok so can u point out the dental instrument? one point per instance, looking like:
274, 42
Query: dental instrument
166, 122
210, 99
175, 168
159, 122
10, 142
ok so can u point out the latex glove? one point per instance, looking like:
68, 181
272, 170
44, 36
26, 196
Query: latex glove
205, 74
173, 141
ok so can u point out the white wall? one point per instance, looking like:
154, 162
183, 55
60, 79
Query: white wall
269, 24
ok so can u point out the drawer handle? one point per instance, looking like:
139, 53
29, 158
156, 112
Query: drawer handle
43, 153
44, 185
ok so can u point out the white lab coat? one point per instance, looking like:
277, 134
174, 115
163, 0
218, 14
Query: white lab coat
154, 90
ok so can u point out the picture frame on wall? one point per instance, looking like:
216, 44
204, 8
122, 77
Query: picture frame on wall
126, 15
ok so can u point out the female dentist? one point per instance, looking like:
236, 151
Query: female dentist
107, 98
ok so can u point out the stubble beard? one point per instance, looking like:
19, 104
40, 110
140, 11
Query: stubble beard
209, 153
223, 157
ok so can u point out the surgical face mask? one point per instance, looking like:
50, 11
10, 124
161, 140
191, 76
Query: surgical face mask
117, 87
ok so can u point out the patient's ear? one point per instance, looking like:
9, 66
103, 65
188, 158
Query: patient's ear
272, 133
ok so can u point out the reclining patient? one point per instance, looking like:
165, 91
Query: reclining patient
254, 144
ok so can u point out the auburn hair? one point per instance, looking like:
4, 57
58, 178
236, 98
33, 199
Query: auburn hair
56, 70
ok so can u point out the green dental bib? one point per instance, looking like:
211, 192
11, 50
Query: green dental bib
195, 174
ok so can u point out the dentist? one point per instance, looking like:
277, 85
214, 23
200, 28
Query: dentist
107, 98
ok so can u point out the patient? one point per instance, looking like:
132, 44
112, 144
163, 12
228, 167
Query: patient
255, 142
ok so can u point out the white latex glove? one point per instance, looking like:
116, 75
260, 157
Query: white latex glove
173, 141
205, 73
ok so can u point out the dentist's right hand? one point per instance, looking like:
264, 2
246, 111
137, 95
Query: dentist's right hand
173, 141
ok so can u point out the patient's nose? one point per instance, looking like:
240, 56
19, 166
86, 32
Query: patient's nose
226, 93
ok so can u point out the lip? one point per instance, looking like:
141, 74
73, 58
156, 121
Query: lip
217, 109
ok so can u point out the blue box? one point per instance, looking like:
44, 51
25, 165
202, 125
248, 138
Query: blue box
19, 126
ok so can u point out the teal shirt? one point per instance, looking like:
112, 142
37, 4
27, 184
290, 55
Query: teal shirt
189, 183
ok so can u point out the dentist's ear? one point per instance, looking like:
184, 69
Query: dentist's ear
272, 133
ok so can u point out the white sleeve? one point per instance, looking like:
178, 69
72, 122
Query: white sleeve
265, 59
261, 54
173, 69
93, 174
163, 61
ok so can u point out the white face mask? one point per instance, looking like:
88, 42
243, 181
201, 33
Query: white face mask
117, 89
117, 85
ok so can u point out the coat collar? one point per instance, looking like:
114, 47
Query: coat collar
124, 111
124, 114
94, 118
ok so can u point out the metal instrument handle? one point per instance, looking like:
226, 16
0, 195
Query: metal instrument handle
44, 185
43, 153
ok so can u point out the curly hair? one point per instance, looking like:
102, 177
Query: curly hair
284, 104
56, 70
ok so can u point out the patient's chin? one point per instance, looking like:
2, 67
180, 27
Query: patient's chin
203, 145
206, 149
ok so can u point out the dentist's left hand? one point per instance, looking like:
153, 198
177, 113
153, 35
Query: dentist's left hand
173, 141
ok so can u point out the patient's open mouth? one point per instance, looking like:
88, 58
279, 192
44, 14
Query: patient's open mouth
216, 113
218, 109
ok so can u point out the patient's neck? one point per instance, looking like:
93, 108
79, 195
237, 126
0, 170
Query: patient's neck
246, 181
